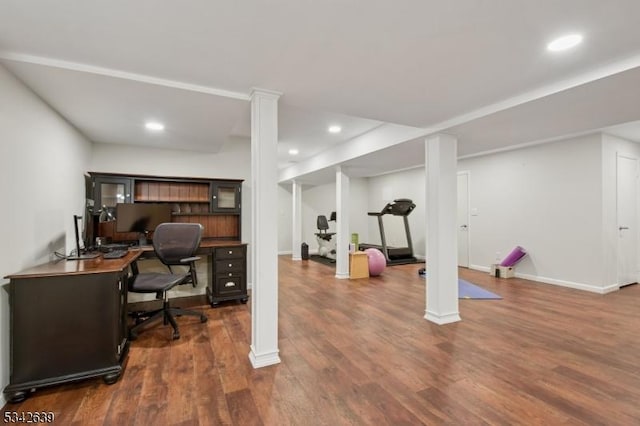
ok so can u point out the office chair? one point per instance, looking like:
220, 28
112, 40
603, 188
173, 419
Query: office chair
174, 244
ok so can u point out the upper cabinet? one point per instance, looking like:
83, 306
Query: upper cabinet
215, 203
111, 190
226, 196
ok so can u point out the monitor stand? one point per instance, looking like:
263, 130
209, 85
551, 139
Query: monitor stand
142, 239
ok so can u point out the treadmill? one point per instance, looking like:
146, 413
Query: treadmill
394, 255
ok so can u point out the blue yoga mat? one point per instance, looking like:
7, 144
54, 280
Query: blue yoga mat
466, 290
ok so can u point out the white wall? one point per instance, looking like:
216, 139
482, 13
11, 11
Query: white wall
553, 199
547, 199
42, 163
320, 200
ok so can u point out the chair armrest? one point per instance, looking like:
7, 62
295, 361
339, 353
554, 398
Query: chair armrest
190, 259
375, 214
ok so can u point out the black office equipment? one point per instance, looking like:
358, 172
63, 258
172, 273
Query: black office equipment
141, 218
106, 248
115, 254
394, 255
173, 243
79, 255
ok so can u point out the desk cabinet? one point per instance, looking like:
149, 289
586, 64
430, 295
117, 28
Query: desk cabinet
66, 328
228, 274
225, 197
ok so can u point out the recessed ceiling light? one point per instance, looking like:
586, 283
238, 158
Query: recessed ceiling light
293, 151
335, 129
564, 42
154, 125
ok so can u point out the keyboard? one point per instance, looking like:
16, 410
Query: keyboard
115, 254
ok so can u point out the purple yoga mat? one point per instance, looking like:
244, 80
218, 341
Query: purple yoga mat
513, 257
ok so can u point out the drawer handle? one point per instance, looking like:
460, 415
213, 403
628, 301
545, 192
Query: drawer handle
230, 284
230, 251
230, 265
230, 274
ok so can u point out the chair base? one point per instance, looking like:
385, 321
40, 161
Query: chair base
168, 314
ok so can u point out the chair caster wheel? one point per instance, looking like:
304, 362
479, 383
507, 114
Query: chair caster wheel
176, 335
203, 318
244, 301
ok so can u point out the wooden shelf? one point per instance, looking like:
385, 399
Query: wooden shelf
187, 192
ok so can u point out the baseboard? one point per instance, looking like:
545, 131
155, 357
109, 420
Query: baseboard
442, 319
289, 252
561, 283
263, 360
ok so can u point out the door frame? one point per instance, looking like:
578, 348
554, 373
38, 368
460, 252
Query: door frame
635, 226
466, 173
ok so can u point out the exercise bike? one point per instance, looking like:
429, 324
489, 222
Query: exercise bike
326, 242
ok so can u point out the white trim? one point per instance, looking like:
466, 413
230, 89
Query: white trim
263, 360
442, 319
588, 77
468, 218
109, 72
561, 283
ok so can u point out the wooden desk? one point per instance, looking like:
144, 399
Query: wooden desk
68, 322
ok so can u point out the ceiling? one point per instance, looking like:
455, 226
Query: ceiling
475, 69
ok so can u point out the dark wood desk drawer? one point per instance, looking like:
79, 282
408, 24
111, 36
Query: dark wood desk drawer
227, 265
229, 252
226, 285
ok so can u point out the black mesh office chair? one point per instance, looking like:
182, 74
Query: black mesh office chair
174, 244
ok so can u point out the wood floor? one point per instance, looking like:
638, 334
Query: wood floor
359, 352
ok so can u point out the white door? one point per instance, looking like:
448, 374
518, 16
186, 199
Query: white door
627, 212
463, 219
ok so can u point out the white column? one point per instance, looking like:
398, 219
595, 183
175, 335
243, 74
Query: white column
296, 216
264, 232
442, 252
342, 223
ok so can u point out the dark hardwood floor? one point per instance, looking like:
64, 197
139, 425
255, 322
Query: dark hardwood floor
360, 352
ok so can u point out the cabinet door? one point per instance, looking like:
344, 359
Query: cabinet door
225, 197
109, 191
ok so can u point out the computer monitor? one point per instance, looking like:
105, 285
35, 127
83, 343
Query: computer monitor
79, 255
141, 217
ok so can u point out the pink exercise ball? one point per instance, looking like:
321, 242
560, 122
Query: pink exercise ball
377, 262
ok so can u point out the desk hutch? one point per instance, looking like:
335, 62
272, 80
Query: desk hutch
214, 203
